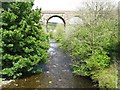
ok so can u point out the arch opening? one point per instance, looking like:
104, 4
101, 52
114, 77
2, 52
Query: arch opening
57, 17
55, 25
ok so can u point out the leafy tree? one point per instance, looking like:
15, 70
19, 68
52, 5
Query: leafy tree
24, 42
93, 43
97, 38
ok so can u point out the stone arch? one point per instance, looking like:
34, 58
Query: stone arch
58, 17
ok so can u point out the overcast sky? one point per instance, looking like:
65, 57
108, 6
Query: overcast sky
57, 4
61, 4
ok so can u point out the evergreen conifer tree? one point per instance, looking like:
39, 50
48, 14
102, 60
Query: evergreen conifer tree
24, 42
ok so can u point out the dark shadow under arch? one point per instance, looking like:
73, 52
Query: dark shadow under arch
58, 17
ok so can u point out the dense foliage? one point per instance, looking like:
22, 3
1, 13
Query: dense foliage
93, 43
24, 42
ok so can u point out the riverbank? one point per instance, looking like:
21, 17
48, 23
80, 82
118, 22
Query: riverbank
4, 82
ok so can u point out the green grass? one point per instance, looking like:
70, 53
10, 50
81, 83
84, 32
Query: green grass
107, 77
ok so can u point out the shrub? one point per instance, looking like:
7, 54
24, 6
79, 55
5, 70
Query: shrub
98, 61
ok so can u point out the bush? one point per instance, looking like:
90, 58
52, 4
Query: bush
24, 42
98, 61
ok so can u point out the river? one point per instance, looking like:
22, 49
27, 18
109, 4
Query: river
57, 73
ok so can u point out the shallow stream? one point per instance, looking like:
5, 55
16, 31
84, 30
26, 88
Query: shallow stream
56, 73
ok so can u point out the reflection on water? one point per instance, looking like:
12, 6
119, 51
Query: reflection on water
57, 73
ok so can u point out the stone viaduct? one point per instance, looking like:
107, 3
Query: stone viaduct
63, 15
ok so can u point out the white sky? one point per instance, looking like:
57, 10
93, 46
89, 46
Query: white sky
57, 4
60, 5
